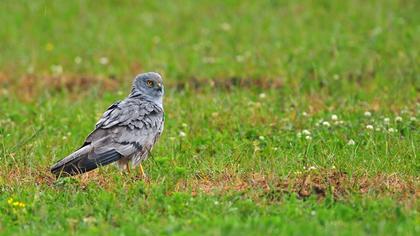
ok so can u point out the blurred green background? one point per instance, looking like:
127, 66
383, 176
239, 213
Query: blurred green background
310, 45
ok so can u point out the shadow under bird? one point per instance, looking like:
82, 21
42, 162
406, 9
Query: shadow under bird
124, 134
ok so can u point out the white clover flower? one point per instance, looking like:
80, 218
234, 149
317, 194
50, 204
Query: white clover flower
182, 134
413, 118
334, 117
306, 132
326, 124
369, 127
156, 39
378, 129
308, 137
313, 213
184, 125
104, 60
209, 60
172, 138
78, 60
239, 58
312, 168
225, 26
333, 167
57, 69
262, 95
398, 119
392, 130
275, 148
304, 114
351, 142
30, 69
386, 120
261, 138
299, 134
368, 114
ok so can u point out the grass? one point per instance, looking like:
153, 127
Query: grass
276, 101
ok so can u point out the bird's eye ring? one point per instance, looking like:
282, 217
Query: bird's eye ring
149, 83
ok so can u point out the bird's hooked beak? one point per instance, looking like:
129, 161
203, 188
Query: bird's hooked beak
159, 85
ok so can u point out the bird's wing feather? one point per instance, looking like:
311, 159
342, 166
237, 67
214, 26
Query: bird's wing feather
132, 124
108, 112
84, 160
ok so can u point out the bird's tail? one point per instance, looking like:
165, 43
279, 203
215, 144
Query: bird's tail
83, 160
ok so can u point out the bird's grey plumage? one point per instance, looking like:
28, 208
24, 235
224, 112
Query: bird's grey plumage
126, 131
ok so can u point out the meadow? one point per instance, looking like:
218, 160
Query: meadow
281, 117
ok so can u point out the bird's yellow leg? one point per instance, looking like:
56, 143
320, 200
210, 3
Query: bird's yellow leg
142, 171
127, 166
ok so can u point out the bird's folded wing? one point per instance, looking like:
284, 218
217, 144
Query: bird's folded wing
130, 125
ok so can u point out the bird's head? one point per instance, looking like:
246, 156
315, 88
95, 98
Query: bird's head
148, 85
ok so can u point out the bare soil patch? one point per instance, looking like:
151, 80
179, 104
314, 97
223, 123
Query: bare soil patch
33, 85
228, 83
337, 184
320, 184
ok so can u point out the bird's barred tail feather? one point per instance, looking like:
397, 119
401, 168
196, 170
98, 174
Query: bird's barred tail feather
84, 160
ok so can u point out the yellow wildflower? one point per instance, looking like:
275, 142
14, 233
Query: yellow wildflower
10, 201
49, 47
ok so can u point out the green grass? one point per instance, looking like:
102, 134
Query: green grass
303, 63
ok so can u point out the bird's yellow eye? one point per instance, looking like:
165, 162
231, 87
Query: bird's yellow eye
149, 83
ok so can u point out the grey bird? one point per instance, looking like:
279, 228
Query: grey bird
126, 132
